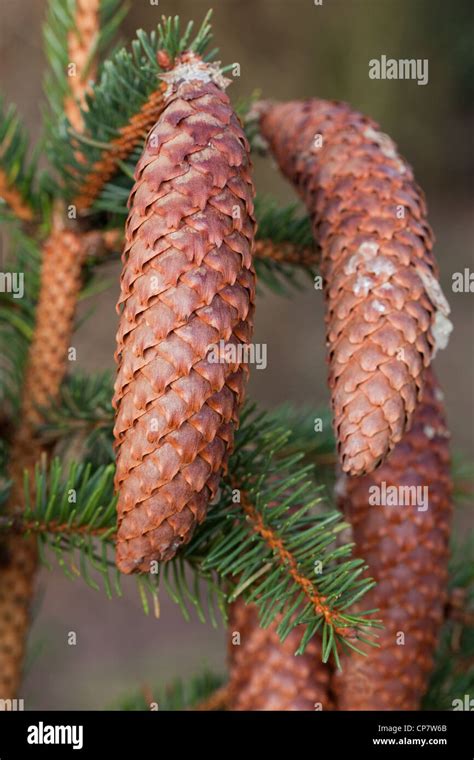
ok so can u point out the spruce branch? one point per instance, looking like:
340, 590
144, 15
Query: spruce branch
16, 173
272, 539
63, 254
121, 108
60, 284
76, 35
269, 524
82, 415
67, 513
262, 547
17, 317
44, 370
284, 245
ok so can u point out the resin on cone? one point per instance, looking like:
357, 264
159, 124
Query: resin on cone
265, 673
385, 312
405, 543
187, 291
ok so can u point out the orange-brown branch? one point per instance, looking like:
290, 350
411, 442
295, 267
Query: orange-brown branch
63, 256
60, 283
286, 558
15, 524
81, 41
14, 200
120, 148
287, 253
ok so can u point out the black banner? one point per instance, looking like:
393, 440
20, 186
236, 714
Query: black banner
223, 734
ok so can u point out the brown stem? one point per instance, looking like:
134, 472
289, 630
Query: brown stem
289, 562
287, 253
81, 39
62, 258
16, 525
60, 283
14, 200
128, 138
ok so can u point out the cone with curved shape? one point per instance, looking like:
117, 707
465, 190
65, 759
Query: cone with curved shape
385, 312
186, 304
406, 548
265, 674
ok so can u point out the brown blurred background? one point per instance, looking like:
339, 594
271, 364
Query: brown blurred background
287, 49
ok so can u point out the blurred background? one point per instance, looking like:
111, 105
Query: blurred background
286, 49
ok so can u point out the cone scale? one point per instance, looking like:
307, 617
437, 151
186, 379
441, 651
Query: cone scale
264, 672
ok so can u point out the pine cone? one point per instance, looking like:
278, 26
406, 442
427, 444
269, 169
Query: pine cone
265, 674
386, 314
187, 286
407, 553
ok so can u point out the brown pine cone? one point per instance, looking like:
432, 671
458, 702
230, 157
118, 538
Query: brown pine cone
187, 286
385, 314
265, 674
406, 548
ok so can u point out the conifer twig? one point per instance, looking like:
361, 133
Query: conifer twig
287, 253
120, 148
16, 171
319, 603
60, 284
46, 365
14, 199
81, 40
16, 524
